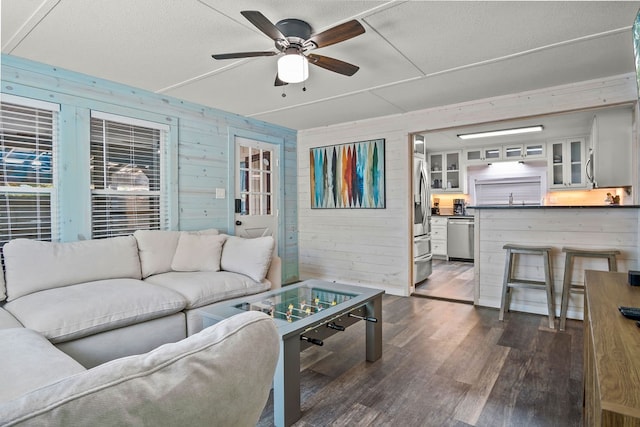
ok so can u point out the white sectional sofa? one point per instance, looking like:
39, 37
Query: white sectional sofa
220, 376
99, 300
106, 332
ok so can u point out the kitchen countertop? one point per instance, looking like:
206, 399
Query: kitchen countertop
555, 207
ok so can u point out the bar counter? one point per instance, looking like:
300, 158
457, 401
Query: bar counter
586, 227
554, 207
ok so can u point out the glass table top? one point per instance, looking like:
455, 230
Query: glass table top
298, 303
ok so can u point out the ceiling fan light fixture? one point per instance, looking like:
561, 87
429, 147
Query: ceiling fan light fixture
293, 68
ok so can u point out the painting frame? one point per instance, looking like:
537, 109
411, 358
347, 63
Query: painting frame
351, 175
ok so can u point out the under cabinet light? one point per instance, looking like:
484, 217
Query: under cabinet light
513, 131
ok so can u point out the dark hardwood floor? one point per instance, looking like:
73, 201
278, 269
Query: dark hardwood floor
445, 364
450, 281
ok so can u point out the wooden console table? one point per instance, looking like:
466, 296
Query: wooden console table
611, 352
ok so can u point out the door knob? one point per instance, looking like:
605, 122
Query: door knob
238, 222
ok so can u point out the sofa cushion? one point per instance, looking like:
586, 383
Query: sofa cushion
218, 377
205, 287
94, 350
61, 264
8, 321
71, 312
3, 288
250, 257
198, 252
158, 247
30, 361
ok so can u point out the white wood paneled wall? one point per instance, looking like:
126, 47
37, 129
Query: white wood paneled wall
373, 247
585, 228
365, 247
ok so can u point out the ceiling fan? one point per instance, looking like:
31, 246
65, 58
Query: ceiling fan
294, 40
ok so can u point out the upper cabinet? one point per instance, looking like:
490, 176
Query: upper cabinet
530, 151
566, 167
480, 155
509, 152
446, 173
609, 163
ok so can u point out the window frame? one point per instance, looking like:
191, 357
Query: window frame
53, 190
163, 192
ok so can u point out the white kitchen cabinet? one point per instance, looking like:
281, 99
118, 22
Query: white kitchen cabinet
609, 159
528, 151
446, 174
482, 154
567, 164
439, 236
508, 152
535, 150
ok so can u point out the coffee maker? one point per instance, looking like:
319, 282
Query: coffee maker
459, 207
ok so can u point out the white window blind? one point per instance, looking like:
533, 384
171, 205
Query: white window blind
523, 191
28, 152
127, 184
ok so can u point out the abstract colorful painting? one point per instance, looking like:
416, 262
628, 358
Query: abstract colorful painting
348, 176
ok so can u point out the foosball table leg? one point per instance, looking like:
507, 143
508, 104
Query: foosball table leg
286, 388
374, 329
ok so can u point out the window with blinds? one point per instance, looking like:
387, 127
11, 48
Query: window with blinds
127, 192
28, 143
522, 191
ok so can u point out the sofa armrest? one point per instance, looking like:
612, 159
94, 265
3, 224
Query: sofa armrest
8, 321
274, 275
220, 376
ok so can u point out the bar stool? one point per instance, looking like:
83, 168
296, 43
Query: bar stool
511, 282
567, 287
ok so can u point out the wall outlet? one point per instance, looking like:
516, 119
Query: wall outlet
220, 193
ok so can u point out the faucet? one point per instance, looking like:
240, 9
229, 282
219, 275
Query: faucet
510, 199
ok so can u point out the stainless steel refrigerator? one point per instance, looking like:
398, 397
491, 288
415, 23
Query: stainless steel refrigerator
421, 218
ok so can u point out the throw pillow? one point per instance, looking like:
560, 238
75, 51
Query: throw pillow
198, 252
250, 257
157, 248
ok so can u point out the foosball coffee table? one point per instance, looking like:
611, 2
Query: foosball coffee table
305, 314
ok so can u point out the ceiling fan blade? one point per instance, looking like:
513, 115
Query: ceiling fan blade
333, 64
279, 82
263, 24
337, 34
242, 55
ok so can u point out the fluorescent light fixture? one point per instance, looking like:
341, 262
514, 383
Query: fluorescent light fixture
293, 68
513, 131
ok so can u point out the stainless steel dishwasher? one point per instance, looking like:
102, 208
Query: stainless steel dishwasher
460, 238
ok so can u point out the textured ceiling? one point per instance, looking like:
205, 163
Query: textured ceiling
414, 54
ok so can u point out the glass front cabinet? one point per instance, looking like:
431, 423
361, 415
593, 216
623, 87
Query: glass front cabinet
509, 152
446, 172
567, 164
529, 151
482, 155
